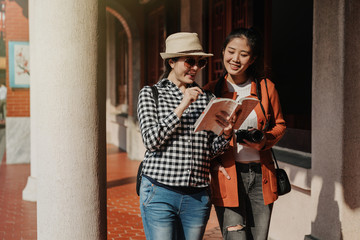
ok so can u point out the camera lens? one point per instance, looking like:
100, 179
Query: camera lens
253, 135
256, 135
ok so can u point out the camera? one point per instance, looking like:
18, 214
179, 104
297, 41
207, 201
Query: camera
251, 135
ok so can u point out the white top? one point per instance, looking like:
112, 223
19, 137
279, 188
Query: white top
244, 153
3, 92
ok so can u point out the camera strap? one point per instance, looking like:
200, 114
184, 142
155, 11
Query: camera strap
258, 93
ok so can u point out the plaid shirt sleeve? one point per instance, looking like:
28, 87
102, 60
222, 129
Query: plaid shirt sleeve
154, 131
218, 145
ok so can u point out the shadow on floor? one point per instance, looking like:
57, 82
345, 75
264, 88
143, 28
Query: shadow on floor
120, 182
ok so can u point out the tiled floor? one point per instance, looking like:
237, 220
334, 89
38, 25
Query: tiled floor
18, 217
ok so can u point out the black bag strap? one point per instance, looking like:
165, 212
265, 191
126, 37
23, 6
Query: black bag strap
276, 163
258, 93
155, 94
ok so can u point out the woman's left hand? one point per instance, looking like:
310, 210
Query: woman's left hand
223, 119
219, 167
258, 146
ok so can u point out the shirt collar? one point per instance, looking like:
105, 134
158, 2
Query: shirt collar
171, 88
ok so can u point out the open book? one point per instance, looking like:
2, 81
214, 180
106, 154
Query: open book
242, 107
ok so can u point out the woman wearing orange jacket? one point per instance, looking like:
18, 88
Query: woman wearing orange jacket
243, 180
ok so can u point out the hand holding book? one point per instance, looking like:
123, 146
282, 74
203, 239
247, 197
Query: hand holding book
237, 109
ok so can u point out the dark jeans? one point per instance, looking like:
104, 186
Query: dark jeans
251, 214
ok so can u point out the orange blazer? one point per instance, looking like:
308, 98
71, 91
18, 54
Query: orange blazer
224, 191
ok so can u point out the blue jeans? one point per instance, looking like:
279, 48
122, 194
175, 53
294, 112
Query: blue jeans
252, 215
171, 215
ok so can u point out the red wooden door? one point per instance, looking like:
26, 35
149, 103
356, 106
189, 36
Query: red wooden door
224, 15
155, 44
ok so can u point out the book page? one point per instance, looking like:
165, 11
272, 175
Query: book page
207, 120
247, 105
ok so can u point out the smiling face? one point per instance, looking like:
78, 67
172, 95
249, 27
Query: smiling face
181, 73
237, 57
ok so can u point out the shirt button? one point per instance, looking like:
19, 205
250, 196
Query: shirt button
189, 140
188, 170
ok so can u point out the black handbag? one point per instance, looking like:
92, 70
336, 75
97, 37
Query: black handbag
283, 183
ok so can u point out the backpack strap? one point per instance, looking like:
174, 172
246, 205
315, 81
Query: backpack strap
155, 94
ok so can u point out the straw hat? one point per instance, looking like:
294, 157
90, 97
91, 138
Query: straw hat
183, 44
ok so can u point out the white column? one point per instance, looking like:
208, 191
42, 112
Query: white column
67, 52
335, 190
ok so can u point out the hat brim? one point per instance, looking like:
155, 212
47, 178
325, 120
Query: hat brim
174, 55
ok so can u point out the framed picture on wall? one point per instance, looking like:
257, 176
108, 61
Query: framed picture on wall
19, 66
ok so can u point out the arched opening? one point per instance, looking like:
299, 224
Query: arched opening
123, 79
119, 58
118, 77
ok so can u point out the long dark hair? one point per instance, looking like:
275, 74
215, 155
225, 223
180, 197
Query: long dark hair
167, 67
255, 42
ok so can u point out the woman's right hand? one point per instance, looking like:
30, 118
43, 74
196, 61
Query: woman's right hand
190, 96
219, 167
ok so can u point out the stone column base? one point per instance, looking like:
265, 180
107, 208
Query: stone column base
30, 191
309, 237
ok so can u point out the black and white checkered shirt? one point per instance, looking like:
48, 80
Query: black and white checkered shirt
176, 155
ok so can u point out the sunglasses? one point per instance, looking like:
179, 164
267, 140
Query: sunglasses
191, 62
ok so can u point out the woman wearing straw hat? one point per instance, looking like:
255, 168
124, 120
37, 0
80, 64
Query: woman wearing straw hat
174, 196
